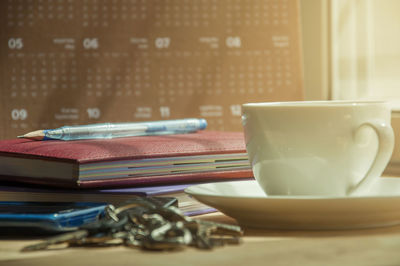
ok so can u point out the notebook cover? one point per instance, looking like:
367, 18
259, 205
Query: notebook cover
14, 191
137, 191
86, 151
89, 151
211, 176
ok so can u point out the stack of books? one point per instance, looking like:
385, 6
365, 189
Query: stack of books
113, 170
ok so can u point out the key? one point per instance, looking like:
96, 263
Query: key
155, 232
173, 214
109, 229
132, 242
147, 223
205, 232
99, 240
168, 236
106, 225
147, 203
56, 240
223, 240
223, 229
201, 237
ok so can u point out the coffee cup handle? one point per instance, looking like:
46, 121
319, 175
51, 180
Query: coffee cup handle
385, 135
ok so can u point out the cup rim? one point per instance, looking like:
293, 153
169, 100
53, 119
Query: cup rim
315, 103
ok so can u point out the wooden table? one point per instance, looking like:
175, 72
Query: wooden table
379, 246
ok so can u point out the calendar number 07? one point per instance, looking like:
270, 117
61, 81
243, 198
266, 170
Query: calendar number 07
162, 42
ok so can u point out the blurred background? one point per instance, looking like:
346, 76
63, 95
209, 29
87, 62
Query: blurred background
352, 51
92, 61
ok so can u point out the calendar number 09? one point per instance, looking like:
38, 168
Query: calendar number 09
19, 114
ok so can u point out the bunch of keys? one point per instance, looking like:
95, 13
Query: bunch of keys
149, 223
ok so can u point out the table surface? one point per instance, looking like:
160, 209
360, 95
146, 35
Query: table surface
378, 246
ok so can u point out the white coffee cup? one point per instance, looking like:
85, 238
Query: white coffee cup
334, 148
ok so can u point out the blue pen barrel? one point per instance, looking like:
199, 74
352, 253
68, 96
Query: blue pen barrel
108, 130
104, 131
94, 131
155, 128
176, 126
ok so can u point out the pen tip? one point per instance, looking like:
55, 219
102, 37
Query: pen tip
35, 135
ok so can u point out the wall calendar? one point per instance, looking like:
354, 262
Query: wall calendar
69, 62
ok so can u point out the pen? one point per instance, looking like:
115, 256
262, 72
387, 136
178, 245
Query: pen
118, 130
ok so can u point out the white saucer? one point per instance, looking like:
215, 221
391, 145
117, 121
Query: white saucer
247, 203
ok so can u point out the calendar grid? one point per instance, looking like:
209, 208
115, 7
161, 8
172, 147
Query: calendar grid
91, 61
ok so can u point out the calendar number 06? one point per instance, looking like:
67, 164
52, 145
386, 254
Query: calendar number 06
90, 43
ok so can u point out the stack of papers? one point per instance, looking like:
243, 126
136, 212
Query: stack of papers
115, 170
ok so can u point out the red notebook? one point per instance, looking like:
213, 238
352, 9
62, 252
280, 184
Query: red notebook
133, 161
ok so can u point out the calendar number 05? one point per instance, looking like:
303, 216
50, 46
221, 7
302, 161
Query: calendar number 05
15, 43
